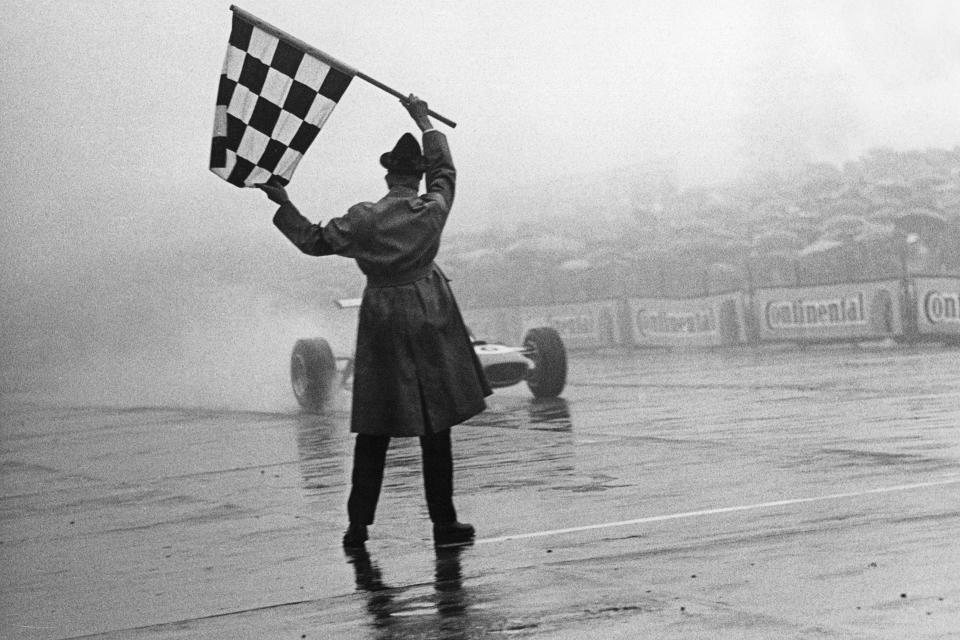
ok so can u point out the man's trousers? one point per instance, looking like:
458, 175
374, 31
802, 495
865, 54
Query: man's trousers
369, 457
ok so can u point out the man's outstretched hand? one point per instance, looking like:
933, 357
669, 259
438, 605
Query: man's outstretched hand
417, 109
275, 192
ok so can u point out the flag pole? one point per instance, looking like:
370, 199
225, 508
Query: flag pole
333, 62
394, 92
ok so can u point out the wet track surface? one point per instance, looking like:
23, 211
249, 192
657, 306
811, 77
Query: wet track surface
742, 494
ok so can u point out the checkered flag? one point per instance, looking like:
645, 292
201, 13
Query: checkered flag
275, 94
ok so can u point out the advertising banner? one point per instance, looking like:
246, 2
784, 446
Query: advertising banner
827, 313
938, 306
587, 325
689, 322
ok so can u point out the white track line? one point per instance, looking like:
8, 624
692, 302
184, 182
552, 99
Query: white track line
721, 510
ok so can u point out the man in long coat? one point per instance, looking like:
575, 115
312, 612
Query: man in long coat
416, 373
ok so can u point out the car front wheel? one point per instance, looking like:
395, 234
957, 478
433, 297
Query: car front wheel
545, 349
313, 373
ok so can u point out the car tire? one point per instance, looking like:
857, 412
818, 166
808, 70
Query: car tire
313, 373
545, 348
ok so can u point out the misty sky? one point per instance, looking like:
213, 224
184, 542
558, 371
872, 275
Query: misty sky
107, 107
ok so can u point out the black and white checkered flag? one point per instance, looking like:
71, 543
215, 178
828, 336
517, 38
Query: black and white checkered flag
275, 94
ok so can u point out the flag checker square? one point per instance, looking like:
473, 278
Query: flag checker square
272, 101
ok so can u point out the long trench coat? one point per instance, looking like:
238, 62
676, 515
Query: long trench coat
415, 370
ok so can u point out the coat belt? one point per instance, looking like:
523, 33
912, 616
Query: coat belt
398, 279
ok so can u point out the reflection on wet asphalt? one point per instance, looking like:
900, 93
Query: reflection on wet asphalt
446, 610
745, 494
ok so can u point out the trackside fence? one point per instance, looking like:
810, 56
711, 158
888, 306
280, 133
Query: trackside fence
914, 309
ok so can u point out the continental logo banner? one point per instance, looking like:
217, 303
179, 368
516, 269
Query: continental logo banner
707, 321
938, 305
826, 312
587, 325
832, 312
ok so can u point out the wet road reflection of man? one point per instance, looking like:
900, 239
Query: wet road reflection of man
391, 613
370, 580
448, 582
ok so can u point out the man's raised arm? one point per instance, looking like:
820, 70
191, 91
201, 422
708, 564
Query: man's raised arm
441, 176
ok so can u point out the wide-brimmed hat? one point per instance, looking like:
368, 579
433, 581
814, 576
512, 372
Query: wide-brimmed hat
405, 158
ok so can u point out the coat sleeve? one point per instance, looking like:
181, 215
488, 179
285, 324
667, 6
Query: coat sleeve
441, 176
340, 236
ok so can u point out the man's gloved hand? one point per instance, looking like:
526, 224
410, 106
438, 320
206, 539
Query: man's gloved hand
275, 192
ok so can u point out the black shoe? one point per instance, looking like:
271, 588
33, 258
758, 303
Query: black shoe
355, 536
452, 533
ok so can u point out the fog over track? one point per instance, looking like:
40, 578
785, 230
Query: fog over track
203, 325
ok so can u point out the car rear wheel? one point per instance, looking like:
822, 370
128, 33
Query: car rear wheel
313, 373
545, 348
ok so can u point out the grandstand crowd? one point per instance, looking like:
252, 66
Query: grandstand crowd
885, 215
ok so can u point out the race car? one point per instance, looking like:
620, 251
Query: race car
316, 373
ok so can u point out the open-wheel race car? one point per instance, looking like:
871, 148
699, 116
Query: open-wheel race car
316, 373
